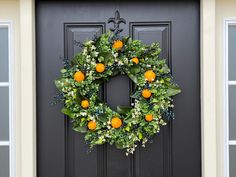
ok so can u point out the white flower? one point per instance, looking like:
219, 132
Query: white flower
83, 113
89, 42
96, 54
120, 63
115, 55
93, 47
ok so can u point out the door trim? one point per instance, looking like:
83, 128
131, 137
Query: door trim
208, 89
27, 127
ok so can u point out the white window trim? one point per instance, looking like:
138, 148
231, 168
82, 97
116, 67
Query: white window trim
9, 84
227, 22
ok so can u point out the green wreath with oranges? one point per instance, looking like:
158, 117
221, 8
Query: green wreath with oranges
103, 58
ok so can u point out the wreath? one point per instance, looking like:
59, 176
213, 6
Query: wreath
106, 57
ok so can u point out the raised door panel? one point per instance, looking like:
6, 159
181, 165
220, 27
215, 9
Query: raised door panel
77, 155
155, 157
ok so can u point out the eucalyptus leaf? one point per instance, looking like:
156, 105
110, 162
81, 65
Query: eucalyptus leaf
135, 69
156, 107
58, 84
63, 70
127, 40
115, 72
103, 117
140, 136
99, 81
119, 145
79, 96
78, 60
107, 56
165, 69
82, 129
133, 78
136, 95
127, 120
173, 90
154, 100
123, 109
68, 112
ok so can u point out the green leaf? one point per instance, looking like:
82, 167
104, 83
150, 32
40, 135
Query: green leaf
165, 69
135, 69
133, 78
82, 129
123, 109
140, 136
107, 56
154, 100
68, 112
63, 70
58, 84
128, 120
156, 107
115, 73
173, 90
79, 97
127, 40
78, 60
127, 128
119, 145
136, 95
99, 81
103, 117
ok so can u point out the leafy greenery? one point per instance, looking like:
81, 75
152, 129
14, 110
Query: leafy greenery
135, 128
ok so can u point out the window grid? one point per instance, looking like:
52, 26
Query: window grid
228, 143
8, 84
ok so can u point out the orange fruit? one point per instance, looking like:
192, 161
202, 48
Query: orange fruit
150, 75
116, 122
149, 117
85, 104
92, 125
117, 44
135, 60
146, 93
79, 76
100, 67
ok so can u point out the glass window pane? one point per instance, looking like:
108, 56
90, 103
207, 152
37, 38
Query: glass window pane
4, 161
232, 160
232, 112
4, 114
3, 54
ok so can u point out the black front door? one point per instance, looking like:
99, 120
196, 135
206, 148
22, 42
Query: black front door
176, 151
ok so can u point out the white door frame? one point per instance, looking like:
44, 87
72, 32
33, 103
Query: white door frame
27, 160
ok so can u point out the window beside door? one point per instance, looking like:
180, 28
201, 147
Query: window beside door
230, 88
6, 147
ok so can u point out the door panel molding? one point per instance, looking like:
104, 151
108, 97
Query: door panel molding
149, 32
78, 33
136, 28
